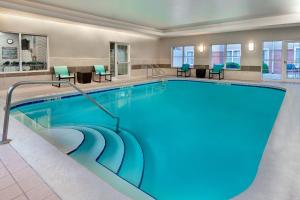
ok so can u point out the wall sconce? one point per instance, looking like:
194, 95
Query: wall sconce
201, 48
251, 46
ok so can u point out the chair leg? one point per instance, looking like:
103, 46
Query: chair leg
59, 82
110, 77
100, 78
52, 79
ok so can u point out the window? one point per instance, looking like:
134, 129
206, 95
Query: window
182, 55
177, 57
34, 52
218, 54
297, 56
232, 55
23, 52
10, 48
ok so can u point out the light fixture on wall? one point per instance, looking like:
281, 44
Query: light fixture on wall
201, 48
251, 46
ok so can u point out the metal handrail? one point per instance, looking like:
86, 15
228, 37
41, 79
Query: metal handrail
14, 86
152, 71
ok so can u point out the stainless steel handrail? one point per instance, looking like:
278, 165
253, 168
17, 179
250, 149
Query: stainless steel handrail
14, 86
152, 71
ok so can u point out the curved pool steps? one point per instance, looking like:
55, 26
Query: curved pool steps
120, 152
113, 153
133, 164
91, 147
65, 139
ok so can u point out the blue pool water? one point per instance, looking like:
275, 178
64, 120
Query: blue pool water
199, 140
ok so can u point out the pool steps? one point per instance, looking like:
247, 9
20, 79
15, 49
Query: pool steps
113, 154
119, 152
93, 143
133, 163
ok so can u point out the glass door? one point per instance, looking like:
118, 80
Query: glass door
272, 60
122, 60
292, 62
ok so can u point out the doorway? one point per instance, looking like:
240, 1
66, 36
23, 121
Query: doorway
272, 60
120, 60
292, 60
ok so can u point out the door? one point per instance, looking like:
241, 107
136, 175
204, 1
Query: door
272, 60
292, 60
122, 67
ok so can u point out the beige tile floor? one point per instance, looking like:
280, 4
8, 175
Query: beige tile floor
42, 90
18, 181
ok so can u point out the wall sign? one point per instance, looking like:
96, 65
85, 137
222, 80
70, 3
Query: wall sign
9, 53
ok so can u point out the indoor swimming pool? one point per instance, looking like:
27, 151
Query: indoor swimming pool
178, 139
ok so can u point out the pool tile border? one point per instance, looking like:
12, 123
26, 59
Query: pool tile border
95, 91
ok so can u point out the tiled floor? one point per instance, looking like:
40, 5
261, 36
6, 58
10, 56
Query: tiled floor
18, 181
42, 90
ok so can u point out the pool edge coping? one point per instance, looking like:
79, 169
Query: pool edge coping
70, 94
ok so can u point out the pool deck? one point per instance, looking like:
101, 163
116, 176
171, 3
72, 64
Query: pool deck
57, 176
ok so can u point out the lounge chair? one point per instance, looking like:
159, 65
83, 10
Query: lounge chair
62, 73
217, 70
101, 71
185, 69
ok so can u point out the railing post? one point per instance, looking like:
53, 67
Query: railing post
5, 140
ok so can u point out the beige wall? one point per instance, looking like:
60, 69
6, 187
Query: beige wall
253, 58
80, 45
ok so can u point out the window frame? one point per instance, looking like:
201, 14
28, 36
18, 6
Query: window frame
268, 60
183, 55
21, 71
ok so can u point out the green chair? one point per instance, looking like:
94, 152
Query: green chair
100, 71
218, 69
62, 73
185, 69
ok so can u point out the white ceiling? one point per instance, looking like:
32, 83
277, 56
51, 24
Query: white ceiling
168, 17
164, 14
